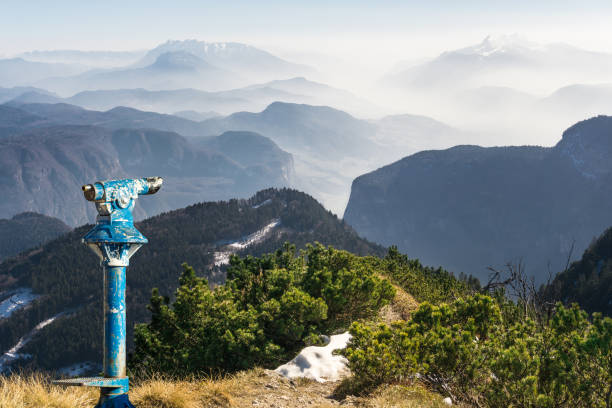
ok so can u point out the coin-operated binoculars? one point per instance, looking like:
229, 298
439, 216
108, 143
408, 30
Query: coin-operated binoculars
114, 239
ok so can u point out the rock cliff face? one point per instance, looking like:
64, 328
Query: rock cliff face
468, 207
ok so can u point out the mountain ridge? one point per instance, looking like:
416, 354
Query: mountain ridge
27, 230
489, 206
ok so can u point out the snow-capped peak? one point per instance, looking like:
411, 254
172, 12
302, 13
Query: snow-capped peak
201, 48
501, 44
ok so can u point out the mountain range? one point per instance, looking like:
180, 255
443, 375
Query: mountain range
46, 157
65, 275
468, 207
245, 60
507, 61
172, 65
506, 90
329, 146
171, 70
251, 98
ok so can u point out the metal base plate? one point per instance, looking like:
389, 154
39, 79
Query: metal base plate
95, 382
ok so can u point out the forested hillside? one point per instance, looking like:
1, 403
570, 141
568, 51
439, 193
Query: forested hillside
589, 280
27, 230
68, 278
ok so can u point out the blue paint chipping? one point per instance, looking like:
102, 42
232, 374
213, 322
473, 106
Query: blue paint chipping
114, 239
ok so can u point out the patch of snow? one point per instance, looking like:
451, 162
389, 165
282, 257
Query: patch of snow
492, 45
319, 363
255, 237
13, 354
222, 257
18, 299
268, 201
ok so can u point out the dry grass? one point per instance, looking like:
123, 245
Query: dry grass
252, 388
401, 307
398, 396
194, 393
165, 394
35, 391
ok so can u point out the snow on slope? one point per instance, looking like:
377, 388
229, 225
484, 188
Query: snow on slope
268, 201
222, 257
319, 363
16, 300
13, 354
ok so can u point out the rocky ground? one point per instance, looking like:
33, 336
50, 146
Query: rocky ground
253, 388
268, 389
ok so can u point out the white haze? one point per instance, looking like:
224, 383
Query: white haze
527, 100
530, 117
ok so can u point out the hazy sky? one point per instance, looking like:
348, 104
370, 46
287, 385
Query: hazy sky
390, 29
351, 42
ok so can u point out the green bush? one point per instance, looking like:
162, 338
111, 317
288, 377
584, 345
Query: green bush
268, 308
425, 284
466, 350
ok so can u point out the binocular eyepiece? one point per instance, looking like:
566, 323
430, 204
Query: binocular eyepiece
127, 189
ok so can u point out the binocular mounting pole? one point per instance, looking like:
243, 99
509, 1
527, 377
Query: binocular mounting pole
114, 239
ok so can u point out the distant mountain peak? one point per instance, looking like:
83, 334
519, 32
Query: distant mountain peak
179, 60
209, 47
207, 51
240, 58
501, 44
295, 107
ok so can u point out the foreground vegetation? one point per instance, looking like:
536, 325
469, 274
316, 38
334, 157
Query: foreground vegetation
419, 335
477, 352
472, 344
268, 309
242, 390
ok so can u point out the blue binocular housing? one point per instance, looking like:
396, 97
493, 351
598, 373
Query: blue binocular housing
115, 200
121, 190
